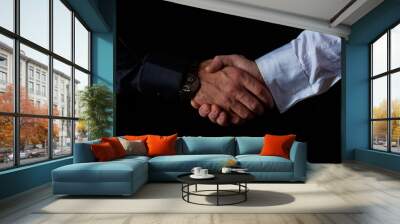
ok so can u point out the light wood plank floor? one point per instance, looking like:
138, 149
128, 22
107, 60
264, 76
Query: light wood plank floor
353, 182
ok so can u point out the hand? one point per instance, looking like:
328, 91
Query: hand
233, 90
214, 112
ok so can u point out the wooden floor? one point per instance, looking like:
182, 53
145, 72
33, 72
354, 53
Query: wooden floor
353, 182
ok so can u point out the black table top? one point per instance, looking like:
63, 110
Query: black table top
220, 178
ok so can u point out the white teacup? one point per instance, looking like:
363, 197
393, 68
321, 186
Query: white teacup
203, 172
226, 170
196, 171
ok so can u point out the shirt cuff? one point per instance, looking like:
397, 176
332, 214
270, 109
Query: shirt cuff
284, 76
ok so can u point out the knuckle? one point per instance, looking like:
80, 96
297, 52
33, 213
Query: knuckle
245, 114
258, 90
254, 106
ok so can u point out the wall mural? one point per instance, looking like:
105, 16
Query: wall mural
268, 78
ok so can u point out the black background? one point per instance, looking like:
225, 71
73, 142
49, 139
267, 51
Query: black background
158, 26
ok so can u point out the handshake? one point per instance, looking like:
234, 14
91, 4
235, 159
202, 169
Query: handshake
232, 90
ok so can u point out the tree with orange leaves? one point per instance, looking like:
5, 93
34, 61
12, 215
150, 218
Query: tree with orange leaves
33, 131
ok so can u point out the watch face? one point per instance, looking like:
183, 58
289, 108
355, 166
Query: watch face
190, 79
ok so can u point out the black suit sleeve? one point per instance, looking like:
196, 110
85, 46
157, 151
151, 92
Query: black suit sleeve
157, 74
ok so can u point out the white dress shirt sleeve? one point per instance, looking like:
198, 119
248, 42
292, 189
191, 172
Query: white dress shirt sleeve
307, 66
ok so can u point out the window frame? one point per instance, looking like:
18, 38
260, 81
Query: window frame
388, 74
16, 114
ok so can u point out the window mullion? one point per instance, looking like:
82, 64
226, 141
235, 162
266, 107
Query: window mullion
389, 106
16, 70
50, 80
73, 83
371, 89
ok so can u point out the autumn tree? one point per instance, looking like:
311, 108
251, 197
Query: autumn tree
380, 127
6, 122
33, 131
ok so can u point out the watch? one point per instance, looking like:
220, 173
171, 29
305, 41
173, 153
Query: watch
190, 86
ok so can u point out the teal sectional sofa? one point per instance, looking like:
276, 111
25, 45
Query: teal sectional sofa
125, 176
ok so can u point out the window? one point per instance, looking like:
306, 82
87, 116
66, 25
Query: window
3, 72
34, 128
62, 75
3, 61
81, 45
38, 73
3, 78
385, 91
7, 14
34, 21
44, 91
30, 87
37, 89
30, 72
62, 30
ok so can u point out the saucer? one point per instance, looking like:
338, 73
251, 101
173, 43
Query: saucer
208, 176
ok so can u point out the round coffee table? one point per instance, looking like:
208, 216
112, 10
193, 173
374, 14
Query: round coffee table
238, 179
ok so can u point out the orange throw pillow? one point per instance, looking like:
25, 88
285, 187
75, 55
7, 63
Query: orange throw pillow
277, 145
161, 145
135, 138
116, 145
103, 152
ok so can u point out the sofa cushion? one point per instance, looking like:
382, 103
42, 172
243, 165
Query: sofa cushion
103, 152
249, 145
83, 152
257, 163
277, 145
134, 147
185, 163
206, 145
120, 170
161, 145
116, 145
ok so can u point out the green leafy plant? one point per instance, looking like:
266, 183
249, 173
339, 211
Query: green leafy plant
96, 102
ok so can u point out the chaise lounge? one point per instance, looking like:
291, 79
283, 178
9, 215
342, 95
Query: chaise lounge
125, 176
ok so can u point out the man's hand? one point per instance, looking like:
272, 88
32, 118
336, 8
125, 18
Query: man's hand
214, 112
233, 90
238, 61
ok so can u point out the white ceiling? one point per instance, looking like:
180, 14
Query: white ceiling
319, 15
321, 9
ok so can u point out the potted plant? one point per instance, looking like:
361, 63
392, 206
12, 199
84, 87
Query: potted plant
96, 103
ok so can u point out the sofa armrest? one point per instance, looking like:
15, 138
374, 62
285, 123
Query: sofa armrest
298, 155
83, 152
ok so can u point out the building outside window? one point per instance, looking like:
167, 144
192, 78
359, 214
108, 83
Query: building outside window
44, 77
30, 72
37, 75
55, 96
43, 90
38, 89
3, 77
3, 61
3, 72
30, 87
57, 126
385, 91
3, 81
